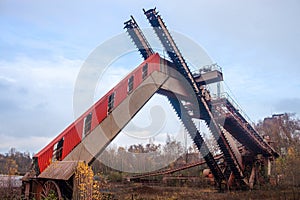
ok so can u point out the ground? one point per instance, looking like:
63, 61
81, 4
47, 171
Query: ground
143, 191
139, 191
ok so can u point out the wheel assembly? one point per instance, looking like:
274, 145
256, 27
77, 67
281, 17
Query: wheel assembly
50, 189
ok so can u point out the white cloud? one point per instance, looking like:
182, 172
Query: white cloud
37, 95
31, 143
60, 68
45, 108
141, 128
256, 43
8, 80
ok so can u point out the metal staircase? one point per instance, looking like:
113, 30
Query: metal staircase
197, 138
204, 105
182, 113
226, 112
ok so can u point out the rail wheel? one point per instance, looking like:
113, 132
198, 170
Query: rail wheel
50, 189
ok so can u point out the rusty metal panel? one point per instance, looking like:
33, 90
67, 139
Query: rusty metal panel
60, 170
233, 145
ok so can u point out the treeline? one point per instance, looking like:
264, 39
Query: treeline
15, 162
139, 158
283, 131
284, 135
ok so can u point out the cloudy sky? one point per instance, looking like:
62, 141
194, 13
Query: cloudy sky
43, 45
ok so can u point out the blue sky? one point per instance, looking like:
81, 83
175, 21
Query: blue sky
43, 45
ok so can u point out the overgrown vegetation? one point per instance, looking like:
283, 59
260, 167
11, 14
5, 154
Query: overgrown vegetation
87, 185
12, 164
284, 136
15, 162
284, 133
140, 158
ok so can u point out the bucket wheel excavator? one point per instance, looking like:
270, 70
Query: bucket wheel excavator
85, 139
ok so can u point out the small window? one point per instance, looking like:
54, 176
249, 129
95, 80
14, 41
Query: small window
87, 125
57, 150
111, 102
130, 84
145, 71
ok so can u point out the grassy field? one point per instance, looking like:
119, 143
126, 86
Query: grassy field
144, 192
140, 192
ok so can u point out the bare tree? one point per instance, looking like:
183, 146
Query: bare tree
283, 131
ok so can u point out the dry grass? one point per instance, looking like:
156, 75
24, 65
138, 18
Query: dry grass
143, 192
10, 193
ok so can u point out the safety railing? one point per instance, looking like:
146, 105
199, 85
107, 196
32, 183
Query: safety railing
226, 96
207, 68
